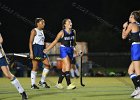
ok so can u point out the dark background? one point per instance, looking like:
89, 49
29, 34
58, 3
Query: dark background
97, 22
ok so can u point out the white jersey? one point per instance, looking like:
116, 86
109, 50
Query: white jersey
39, 38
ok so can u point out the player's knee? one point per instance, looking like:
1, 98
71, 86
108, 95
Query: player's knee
67, 68
47, 66
34, 68
130, 71
63, 70
9, 76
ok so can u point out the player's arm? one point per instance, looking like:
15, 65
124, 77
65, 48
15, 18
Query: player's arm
1, 39
77, 52
126, 30
74, 38
59, 35
32, 35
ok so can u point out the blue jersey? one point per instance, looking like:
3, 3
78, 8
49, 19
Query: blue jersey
67, 44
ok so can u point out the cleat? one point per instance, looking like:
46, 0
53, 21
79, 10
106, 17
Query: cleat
59, 86
44, 84
137, 96
71, 86
24, 96
34, 86
136, 92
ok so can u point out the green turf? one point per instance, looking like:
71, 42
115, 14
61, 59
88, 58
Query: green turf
105, 88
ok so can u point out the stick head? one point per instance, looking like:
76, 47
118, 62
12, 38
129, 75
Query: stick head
83, 85
20, 55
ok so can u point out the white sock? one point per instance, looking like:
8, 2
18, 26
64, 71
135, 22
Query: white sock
76, 71
44, 74
72, 73
33, 77
18, 86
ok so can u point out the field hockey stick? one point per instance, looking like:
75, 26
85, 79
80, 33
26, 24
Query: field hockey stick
3, 53
27, 56
21, 55
80, 54
81, 74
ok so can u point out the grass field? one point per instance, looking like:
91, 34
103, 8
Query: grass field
97, 88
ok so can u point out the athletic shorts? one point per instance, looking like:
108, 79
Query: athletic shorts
135, 51
38, 52
66, 51
3, 62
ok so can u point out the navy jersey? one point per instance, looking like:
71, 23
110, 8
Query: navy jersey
134, 36
68, 39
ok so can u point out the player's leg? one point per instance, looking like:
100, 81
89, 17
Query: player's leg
72, 68
61, 77
63, 54
44, 74
14, 81
136, 65
67, 65
66, 62
136, 93
76, 71
133, 76
72, 71
134, 69
34, 74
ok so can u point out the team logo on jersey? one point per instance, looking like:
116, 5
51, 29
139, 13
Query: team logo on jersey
69, 38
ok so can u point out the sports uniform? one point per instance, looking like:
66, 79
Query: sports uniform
135, 46
39, 55
66, 49
2, 60
134, 38
38, 45
8, 74
67, 44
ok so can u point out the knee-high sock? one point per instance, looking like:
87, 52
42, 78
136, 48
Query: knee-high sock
61, 77
138, 80
67, 76
18, 86
44, 74
33, 77
134, 80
